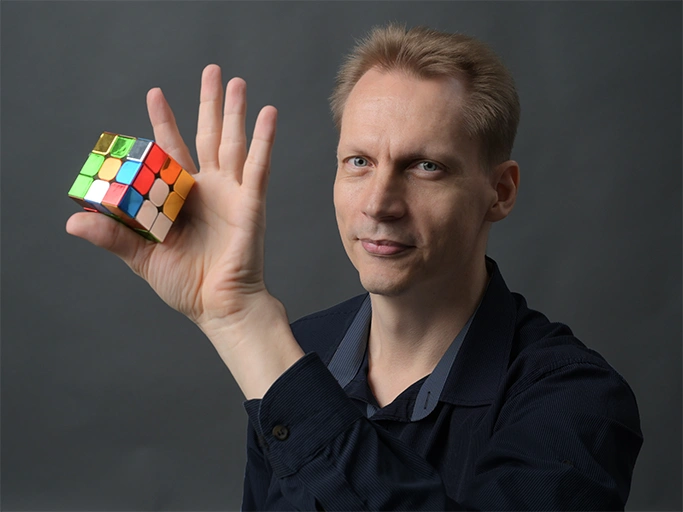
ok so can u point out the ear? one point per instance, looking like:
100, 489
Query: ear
505, 181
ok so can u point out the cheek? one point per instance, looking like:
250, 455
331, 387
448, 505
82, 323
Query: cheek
337, 199
341, 205
458, 221
346, 195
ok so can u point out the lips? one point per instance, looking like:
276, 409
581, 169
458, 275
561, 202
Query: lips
383, 247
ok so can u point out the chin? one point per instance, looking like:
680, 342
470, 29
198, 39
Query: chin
385, 287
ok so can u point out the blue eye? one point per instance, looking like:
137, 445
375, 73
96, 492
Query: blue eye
359, 161
428, 166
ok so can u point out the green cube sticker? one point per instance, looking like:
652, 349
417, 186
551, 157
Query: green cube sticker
122, 146
80, 186
92, 165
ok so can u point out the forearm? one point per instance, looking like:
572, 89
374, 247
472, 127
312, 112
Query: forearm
257, 347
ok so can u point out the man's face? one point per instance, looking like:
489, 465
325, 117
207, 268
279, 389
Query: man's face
410, 197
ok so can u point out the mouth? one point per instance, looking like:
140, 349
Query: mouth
384, 247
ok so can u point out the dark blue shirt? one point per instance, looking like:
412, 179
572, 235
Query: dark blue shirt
518, 415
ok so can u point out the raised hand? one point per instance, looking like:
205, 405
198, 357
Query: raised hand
210, 267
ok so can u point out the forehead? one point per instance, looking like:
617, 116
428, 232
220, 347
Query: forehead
396, 108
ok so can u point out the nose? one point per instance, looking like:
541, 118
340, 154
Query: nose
384, 196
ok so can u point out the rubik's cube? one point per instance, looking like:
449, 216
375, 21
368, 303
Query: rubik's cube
134, 181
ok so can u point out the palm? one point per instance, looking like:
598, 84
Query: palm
211, 263
213, 255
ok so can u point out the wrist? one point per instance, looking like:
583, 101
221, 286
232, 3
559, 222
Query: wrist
257, 345
233, 323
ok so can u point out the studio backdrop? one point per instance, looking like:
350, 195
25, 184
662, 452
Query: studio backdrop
113, 401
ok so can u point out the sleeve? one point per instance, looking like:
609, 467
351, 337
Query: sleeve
257, 474
567, 439
322, 447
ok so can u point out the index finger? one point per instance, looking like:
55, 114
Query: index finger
166, 131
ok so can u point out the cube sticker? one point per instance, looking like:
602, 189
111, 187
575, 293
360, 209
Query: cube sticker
134, 181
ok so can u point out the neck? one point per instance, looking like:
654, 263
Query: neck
411, 332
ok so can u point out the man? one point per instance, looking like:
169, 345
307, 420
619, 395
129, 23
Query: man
439, 389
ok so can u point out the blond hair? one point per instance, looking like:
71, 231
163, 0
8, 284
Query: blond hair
491, 110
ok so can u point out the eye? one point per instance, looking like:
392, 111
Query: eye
428, 166
359, 161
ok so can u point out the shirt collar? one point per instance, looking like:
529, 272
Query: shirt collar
482, 361
455, 379
469, 372
348, 357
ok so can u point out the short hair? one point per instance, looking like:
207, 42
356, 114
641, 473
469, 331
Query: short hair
491, 110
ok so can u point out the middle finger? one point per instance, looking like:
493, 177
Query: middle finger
233, 148
209, 121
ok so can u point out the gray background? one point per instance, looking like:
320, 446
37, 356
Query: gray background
112, 401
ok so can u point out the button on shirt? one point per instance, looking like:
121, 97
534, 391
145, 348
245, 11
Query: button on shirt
517, 415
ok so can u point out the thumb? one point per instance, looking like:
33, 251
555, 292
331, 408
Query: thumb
102, 231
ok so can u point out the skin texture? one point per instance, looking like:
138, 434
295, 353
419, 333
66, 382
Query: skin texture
210, 267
